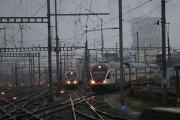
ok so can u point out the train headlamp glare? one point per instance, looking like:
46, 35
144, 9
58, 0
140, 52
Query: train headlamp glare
104, 81
68, 82
71, 73
75, 82
92, 82
99, 67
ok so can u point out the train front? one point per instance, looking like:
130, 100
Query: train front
99, 79
71, 80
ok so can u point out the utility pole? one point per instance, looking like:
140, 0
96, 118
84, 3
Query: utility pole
116, 53
144, 56
4, 36
169, 52
64, 64
145, 44
163, 18
60, 64
21, 27
33, 74
30, 69
57, 49
49, 50
102, 39
12, 78
71, 61
39, 68
137, 45
121, 51
24, 72
177, 68
16, 71
86, 58
67, 67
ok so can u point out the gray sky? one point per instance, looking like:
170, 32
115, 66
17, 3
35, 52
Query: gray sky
70, 27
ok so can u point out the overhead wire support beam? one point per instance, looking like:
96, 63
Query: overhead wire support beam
18, 54
23, 20
28, 49
14, 60
7, 64
85, 14
134, 48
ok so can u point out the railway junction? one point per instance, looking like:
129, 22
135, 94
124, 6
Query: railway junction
73, 60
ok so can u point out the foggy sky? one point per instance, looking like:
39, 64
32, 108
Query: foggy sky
70, 29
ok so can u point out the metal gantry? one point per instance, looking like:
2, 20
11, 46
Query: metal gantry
16, 62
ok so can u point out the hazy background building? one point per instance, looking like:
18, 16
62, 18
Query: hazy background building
146, 33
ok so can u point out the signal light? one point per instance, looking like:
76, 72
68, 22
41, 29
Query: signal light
2, 93
14, 98
62, 91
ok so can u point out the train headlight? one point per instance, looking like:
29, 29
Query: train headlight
68, 82
75, 82
92, 82
104, 81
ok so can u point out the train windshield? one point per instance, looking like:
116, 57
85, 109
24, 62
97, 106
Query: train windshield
99, 74
71, 77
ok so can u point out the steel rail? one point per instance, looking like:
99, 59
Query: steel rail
72, 106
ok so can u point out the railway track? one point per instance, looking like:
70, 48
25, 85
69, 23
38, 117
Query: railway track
14, 109
74, 104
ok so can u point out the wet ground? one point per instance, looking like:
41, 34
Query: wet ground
113, 101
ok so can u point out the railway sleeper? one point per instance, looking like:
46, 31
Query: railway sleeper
105, 106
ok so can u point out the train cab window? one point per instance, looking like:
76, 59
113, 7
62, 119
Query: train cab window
108, 77
98, 74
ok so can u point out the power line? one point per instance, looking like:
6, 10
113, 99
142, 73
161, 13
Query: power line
137, 7
142, 16
39, 9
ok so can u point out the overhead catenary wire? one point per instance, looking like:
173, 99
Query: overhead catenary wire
142, 15
39, 9
116, 17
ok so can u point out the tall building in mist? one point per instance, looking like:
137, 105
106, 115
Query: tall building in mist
148, 35
148, 32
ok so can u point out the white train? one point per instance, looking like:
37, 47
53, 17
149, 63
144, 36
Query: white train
107, 75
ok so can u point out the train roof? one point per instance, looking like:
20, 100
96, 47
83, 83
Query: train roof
142, 65
135, 65
153, 65
139, 65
